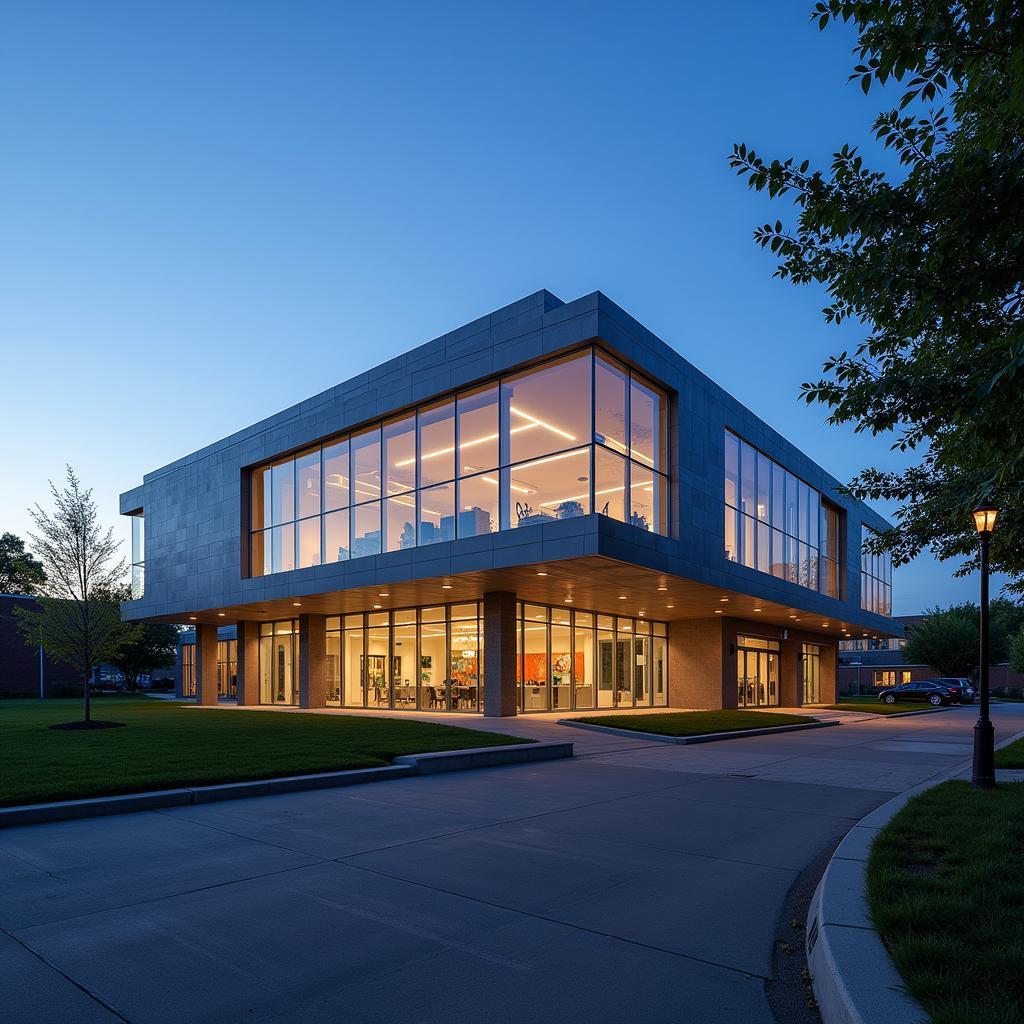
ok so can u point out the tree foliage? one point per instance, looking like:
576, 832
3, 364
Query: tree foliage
949, 639
140, 647
79, 620
928, 256
1017, 651
20, 573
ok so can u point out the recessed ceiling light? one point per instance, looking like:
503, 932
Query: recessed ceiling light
446, 586
383, 593
718, 611
376, 606
568, 600
670, 606
641, 614
296, 604
663, 588
542, 574
192, 618
825, 624
220, 615
792, 616
622, 597
723, 599
758, 609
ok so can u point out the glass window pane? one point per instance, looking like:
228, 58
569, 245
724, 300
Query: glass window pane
336, 536
778, 554
336, 477
309, 542
260, 485
605, 667
478, 430
307, 475
536, 612
378, 672
404, 667
792, 491
282, 490
609, 484
749, 541
333, 666
433, 668
478, 505
432, 614
437, 514
659, 670
561, 667
403, 616
648, 500
748, 490
584, 619
731, 535
764, 482
778, 497
400, 524
259, 554
464, 611
437, 443
556, 487
763, 547
535, 664
400, 455
610, 383
563, 616
282, 540
732, 470
366, 465
366, 529
353, 666
547, 409
647, 408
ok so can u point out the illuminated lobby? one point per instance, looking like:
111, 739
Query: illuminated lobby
546, 510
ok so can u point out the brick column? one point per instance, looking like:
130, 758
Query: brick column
697, 667
312, 661
206, 664
829, 660
248, 663
791, 674
499, 654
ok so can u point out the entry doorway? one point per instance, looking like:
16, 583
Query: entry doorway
757, 672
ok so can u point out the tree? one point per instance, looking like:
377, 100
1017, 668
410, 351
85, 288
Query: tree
1017, 651
20, 573
79, 619
929, 258
142, 646
948, 639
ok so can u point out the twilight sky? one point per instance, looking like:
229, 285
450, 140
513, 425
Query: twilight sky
211, 211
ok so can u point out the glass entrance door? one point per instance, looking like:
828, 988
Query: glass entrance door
757, 673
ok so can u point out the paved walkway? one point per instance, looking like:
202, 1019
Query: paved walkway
637, 882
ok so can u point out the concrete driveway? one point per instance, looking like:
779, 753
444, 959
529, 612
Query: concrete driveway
637, 882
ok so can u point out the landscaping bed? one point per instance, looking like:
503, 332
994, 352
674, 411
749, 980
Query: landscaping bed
1011, 756
876, 707
166, 745
695, 723
947, 897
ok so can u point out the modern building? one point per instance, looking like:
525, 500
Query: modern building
548, 509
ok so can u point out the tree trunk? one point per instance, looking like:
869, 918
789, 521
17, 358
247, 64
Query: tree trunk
85, 693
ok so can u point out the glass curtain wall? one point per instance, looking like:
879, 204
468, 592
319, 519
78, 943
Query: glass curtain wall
574, 435
188, 670
776, 523
138, 555
227, 668
810, 657
875, 577
279, 662
407, 659
569, 659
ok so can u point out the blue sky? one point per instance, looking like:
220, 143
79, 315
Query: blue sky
211, 211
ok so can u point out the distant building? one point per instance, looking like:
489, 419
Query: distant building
23, 669
871, 663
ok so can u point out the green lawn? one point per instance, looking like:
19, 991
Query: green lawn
1011, 756
947, 895
165, 745
696, 723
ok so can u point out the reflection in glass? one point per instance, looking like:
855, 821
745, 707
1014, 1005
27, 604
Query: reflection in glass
366, 529
548, 489
647, 499
282, 491
609, 484
309, 542
282, 546
437, 514
366, 465
478, 430
400, 523
547, 408
610, 383
647, 409
336, 536
478, 505
307, 473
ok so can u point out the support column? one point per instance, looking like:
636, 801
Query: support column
499, 654
206, 664
248, 663
829, 660
791, 667
700, 676
312, 661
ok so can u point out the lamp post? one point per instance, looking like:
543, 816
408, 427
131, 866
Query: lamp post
984, 773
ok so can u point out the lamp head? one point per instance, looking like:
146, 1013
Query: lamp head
985, 518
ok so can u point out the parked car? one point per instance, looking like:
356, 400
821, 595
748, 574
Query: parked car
934, 692
966, 688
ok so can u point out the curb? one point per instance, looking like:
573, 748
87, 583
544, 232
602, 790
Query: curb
400, 768
853, 978
706, 737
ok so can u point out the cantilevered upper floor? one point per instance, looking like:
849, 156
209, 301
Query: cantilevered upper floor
557, 450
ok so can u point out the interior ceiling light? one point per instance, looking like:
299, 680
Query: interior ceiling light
758, 609
718, 611
192, 618
663, 588
542, 574
220, 615
670, 606
723, 599
296, 604
383, 593
446, 586
622, 597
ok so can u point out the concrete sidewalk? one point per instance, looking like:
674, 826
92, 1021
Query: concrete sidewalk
637, 882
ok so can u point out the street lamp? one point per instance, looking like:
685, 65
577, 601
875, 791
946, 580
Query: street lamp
984, 773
